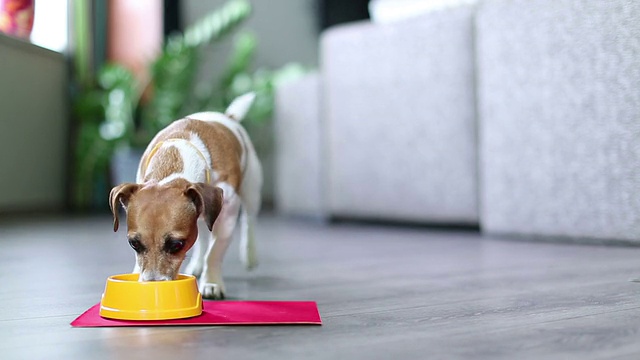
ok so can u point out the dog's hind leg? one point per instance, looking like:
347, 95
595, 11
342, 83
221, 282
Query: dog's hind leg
248, 252
251, 201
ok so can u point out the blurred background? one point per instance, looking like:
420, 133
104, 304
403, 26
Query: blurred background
118, 71
510, 116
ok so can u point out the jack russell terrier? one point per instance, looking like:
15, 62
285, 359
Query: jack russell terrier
203, 166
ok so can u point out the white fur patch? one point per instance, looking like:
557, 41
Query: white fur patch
228, 191
207, 116
199, 144
152, 275
230, 124
196, 160
170, 178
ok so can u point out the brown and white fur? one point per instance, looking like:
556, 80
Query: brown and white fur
203, 166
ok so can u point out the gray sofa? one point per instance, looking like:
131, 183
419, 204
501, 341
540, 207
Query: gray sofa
298, 186
398, 119
559, 115
522, 116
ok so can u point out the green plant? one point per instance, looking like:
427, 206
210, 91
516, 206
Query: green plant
120, 111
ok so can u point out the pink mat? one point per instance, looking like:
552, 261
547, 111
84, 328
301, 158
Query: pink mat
222, 313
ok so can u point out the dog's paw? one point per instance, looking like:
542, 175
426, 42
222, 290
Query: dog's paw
212, 291
250, 261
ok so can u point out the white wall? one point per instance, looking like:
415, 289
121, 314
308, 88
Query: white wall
33, 127
286, 29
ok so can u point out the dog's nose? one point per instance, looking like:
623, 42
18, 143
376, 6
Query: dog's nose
150, 275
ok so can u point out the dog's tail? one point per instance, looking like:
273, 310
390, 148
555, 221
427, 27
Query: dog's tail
240, 106
248, 253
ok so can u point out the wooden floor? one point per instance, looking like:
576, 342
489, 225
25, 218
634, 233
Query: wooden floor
383, 293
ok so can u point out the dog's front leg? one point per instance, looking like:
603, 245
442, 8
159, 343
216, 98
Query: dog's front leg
211, 282
199, 250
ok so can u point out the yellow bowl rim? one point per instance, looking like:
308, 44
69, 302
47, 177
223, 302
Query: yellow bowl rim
156, 314
181, 278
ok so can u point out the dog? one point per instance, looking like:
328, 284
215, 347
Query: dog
196, 178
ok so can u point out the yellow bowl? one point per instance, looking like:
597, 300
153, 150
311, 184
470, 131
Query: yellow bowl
125, 298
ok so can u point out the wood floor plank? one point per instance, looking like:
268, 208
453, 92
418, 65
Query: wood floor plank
382, 291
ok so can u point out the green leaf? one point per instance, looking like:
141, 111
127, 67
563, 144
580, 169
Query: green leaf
92, 155
240, 60
118, 101
217, 24
173, 73
115, 75
263, 82
89, 106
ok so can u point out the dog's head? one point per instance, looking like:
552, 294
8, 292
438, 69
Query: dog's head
162, 222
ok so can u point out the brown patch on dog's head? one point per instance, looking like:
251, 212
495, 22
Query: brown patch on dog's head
162, 222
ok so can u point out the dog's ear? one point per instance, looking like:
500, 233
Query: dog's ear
120, 193
208, 201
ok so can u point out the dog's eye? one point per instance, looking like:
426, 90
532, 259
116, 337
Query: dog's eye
173, 246
136, 245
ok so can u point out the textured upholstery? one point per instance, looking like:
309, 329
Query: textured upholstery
399, 119
559, 108
298, 158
